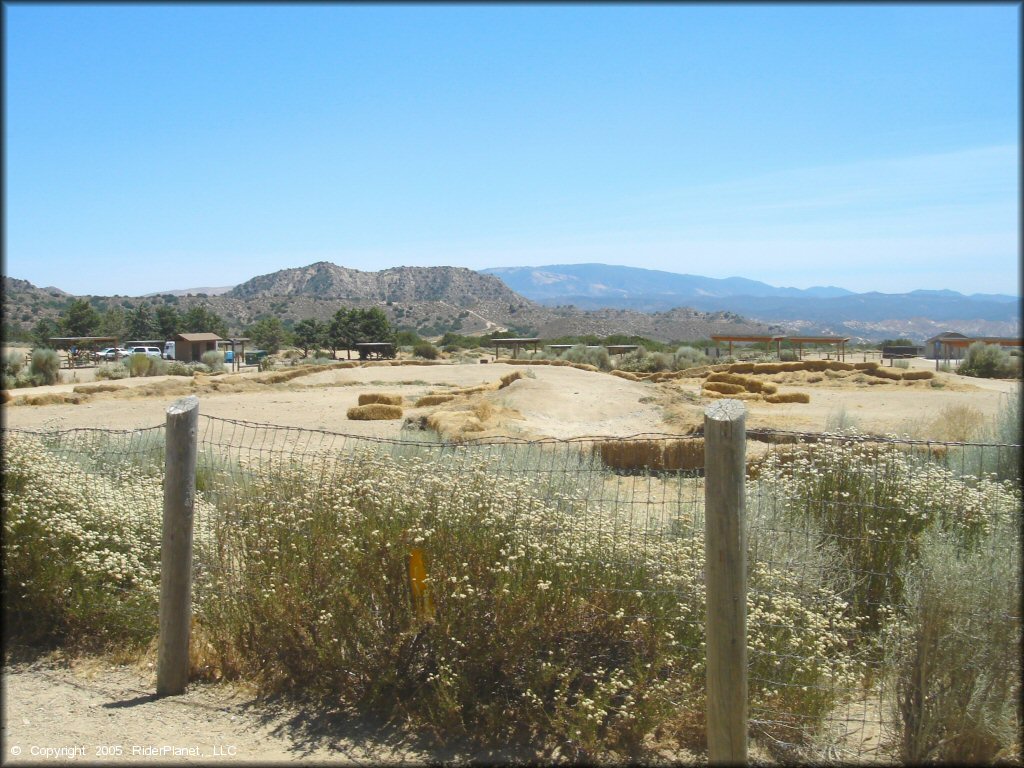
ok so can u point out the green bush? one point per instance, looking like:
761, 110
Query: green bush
111, 371
597, 357
989, 361
214, 360
13, 362
45, 366
688, 357
178, 368
954, 651
426, 350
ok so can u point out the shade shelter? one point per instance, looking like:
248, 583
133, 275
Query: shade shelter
837, 340
378, 349
621, 349
190, 347
515, 344
953, 348
80, 349
766, 339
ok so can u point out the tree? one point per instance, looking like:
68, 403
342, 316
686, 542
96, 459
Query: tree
80, 319
268, 333
310, 333
114, 322
343, 331
43, 331
372, 325
199, 319
141, 323
168, 321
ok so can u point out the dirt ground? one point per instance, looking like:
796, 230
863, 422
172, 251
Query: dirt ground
50, 705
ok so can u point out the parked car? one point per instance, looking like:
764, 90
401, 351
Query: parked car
112, 353
151, 351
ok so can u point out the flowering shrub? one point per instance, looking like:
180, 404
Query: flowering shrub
872, 501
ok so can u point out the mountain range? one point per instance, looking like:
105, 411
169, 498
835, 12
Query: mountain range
562, 300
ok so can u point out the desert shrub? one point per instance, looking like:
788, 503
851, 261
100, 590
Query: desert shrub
840, 421
140, 365
953, 648
688, 357
788, 356
9, 382
598, 357
199, 368
267, 364
426, 350
178, 368
988, 361
111, 371
45, 367
13, 362
213, 360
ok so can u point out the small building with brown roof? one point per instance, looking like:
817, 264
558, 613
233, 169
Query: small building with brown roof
190, 347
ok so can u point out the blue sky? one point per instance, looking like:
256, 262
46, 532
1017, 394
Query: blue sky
157, 147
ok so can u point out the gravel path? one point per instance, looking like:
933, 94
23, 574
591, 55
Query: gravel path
101, 713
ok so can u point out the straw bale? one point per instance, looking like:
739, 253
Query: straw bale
377, 364
374, 412
789, 397
625, 375
655, 455
52, 398
883, 373
767, 388
819, 366
838, 365
918, 375
793, 367
433, 400
767, 367
741, 368
724, 387
584, 367
866, 366
385, 398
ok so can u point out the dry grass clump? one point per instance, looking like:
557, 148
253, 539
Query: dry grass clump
385, 398
433, 400
658, 455
508, 378
958, 424
625, 375
788, 397
88, 389
52, 398
374, 412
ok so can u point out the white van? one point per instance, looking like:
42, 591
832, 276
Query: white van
150, 351
169, 350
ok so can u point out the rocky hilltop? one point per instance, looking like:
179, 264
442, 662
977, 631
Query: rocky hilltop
324, 280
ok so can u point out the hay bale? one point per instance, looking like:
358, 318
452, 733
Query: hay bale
374, 412
836, 365
433, 400
741, 368
918, 375
793, 367
724, 388
585, 367
866, 366
768, 367
767, 388
53, 398
789, 397
728, 378
884, 373
625, 375
818, 366
385, 398
657, 455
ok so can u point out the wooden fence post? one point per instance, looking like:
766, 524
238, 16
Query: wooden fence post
176, 550
726, 572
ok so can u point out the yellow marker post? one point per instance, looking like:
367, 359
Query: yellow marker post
421, 601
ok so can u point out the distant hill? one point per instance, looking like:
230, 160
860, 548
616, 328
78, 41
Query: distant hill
193, 291
874, 315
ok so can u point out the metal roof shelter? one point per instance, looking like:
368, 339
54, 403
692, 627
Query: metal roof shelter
765, 339
801, 340
950, 343
515, 344
375, 349
620, 349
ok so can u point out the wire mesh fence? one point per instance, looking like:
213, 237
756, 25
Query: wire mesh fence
561, 581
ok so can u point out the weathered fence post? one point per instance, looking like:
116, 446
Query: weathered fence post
725, 549
176, 550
